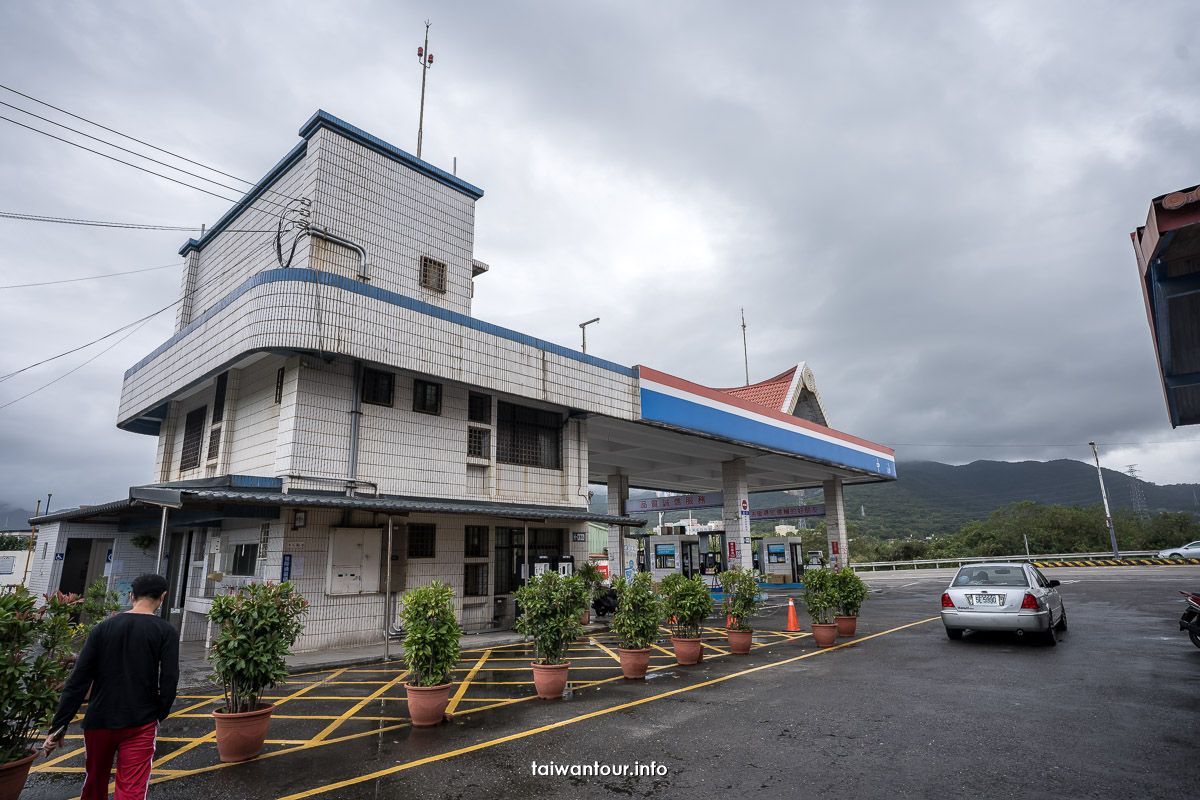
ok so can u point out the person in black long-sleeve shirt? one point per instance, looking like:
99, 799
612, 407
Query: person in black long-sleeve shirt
131, 663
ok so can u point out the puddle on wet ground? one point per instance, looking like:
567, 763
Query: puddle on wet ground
653, 676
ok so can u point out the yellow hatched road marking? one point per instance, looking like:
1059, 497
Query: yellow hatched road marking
611, 654
563, 723
331, 727
466, 682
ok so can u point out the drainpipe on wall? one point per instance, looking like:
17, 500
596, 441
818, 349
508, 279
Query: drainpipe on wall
389, 617
364, 264
355, 416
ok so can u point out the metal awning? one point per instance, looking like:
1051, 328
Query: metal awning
192, 497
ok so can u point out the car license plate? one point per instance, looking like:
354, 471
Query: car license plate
987, 600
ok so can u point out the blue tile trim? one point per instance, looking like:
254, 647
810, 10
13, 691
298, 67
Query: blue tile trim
323, 119
383, 295
254, 482
261, 187
680, 413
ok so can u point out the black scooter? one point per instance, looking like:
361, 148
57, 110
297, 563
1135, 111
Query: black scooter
605, 603
1190, 621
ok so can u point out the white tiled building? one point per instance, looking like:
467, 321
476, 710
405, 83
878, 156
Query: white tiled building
326, 383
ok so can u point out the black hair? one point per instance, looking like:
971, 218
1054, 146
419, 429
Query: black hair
152, 586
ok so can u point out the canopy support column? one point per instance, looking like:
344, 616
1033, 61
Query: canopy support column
618, 494
835, 523
736, 492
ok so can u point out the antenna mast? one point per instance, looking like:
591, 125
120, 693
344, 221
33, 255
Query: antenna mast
745, 349
425, 58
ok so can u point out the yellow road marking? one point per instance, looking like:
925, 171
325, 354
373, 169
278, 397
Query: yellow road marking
611, 654
331, 727
563, 723
466, 682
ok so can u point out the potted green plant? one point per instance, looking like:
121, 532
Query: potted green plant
851, 593
256, 628
686, 603
820, 600
635, 623
35, 644
550, 605
431, 636
592, 579
743, 600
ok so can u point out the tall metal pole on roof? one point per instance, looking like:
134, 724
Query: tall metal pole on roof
583, 329
1112, 534
425, 58
745, 349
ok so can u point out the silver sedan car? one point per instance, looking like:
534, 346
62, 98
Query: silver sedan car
1003, 597
1189, 550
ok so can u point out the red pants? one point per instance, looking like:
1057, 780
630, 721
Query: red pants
134, 749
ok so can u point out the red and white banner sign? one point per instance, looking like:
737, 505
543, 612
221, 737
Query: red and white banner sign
732, 550
788, 512
675, 503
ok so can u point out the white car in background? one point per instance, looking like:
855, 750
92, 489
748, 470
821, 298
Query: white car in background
1189, 550
1003, 596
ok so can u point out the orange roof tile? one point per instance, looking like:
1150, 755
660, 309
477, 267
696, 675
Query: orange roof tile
771, 393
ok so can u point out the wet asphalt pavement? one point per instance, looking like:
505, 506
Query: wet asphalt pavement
1110, 712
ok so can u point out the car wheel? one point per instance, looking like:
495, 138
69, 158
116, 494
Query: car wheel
956, 633
1049, 639
1062, 620
1195, 637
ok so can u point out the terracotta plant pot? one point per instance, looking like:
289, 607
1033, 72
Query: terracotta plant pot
846, 626
824, 634
587, 616
687, 651
427, 704
739, 641
240, 737
13, 775
634, 662
550, 679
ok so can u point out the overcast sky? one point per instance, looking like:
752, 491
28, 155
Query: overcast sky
930, 203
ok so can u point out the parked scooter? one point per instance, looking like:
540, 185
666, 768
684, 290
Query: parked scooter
1190, 621
605, 603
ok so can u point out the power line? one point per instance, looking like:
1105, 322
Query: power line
254, 252
139, 141
133, 152
88, 278
1038, 444
118, 160
131, 225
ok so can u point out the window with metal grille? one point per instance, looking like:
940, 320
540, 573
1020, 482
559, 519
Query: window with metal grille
377, 387
475, 580
427, 397
279, 386
214, 443
219, 398
528, 437
475, 541
193, 438
479, 408
422, 541
479, 443
433, 274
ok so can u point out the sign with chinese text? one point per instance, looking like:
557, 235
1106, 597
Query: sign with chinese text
788, 512
676, 503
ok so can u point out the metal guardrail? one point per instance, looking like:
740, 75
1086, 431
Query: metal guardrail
934, 563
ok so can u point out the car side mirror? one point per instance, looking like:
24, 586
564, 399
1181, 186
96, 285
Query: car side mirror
1054, 583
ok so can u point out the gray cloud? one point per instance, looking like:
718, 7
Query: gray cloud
930, 203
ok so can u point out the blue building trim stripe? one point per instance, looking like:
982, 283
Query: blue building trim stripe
278, 171
679, 413
297, 274
323, 119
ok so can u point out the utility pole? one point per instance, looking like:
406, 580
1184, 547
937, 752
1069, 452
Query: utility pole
745, 349
1112, 534
1136, 495
32, 536
425, 58
583, 330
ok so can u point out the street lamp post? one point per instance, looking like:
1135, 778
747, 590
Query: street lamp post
1112, 534
583, 330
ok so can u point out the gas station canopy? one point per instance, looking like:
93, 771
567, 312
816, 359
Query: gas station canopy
686, 431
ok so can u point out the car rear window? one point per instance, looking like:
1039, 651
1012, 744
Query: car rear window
990, 576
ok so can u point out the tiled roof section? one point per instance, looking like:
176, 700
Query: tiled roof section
771, 393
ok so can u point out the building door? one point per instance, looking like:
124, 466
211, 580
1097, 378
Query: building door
76, 561
176, 558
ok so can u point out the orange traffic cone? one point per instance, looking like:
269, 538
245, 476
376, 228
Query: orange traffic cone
793, 623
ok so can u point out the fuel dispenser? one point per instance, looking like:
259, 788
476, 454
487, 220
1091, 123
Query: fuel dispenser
542, 564
565, 565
